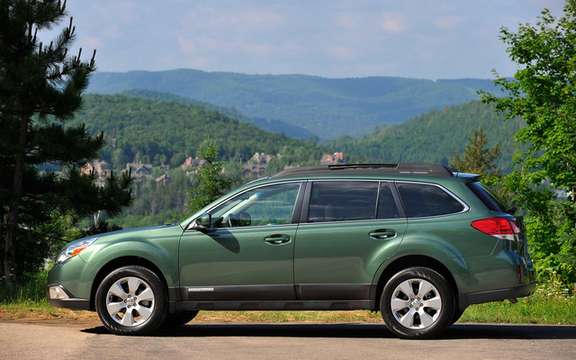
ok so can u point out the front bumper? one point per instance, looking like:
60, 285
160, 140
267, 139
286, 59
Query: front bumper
58, 296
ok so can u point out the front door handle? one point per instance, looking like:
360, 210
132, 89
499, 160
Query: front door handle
383, 234
277, 239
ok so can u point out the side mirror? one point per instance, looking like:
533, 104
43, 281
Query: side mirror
203, 222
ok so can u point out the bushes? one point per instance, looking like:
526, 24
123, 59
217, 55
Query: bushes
32, 289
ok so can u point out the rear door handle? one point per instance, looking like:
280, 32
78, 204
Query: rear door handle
277, 239
383, 234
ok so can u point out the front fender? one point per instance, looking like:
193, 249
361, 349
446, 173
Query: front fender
165, 258
158, 246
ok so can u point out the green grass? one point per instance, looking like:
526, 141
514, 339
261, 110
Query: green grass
549, 305
538, 309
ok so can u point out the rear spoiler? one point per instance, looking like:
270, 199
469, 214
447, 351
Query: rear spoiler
468, 177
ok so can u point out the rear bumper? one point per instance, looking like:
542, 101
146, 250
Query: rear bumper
59, 296
497, 295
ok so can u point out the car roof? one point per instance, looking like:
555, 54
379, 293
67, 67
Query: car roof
367, 170
424, 172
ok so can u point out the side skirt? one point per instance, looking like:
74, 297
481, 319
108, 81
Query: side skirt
276, 305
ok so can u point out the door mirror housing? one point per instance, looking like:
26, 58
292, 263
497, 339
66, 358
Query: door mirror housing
203, 222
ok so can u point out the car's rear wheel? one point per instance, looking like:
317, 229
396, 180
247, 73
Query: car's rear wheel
179, 319
131, 301
417, 303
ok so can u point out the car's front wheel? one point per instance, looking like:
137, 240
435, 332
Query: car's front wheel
131, 301
417, 303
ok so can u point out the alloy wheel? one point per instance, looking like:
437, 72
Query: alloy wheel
130, 301
416, 304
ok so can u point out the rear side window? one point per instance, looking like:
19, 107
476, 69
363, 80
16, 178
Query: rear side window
484, 195
342, 200
422, 200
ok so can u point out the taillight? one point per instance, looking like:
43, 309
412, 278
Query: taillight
499, 227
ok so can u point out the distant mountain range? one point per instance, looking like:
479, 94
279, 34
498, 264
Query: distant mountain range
300, 106
157, 128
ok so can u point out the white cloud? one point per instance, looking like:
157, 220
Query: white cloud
342, 53
447, 22
393, 23
347, 22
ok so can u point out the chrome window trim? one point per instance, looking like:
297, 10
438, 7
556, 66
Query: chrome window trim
443, 188
379, 181
233, 195
466, 208
349, 179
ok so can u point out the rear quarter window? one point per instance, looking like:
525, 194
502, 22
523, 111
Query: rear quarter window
484, 195
421, 200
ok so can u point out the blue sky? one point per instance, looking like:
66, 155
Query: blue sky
335, 38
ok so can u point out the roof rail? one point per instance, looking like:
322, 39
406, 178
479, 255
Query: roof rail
409, 169
362, 166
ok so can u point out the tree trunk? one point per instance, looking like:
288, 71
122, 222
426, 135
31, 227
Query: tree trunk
12, 223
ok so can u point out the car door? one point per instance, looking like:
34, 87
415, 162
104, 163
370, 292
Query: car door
248, 254
348, 228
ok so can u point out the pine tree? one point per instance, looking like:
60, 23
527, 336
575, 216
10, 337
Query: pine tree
478, 158
211, 183
41, 87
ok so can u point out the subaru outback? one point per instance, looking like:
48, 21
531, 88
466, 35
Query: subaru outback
418, 243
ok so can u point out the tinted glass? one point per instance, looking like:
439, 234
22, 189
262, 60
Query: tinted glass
342, 200
427, 200
269, 205
485, 196
387, 208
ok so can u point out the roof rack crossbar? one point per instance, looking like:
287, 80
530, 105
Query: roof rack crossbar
415, 169
362, 166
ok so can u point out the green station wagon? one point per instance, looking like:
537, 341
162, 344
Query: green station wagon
419, 243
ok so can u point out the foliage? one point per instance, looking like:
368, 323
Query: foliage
165, 132
211, 183
41, 87
434, 137
321, 106
542, 94
477, 157
273, 126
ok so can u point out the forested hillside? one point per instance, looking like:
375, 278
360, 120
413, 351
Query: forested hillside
325, 107
165, 132
274, 126
433, 137
154, 137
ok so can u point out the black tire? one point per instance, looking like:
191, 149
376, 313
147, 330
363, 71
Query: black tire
457, 315
160, 297
446, 311
179, 319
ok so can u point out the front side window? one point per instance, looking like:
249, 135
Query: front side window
342, 200
422, 200
268, 205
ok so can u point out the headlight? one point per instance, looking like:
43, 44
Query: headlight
74, 248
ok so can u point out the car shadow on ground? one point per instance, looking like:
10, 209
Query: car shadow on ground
458, 331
